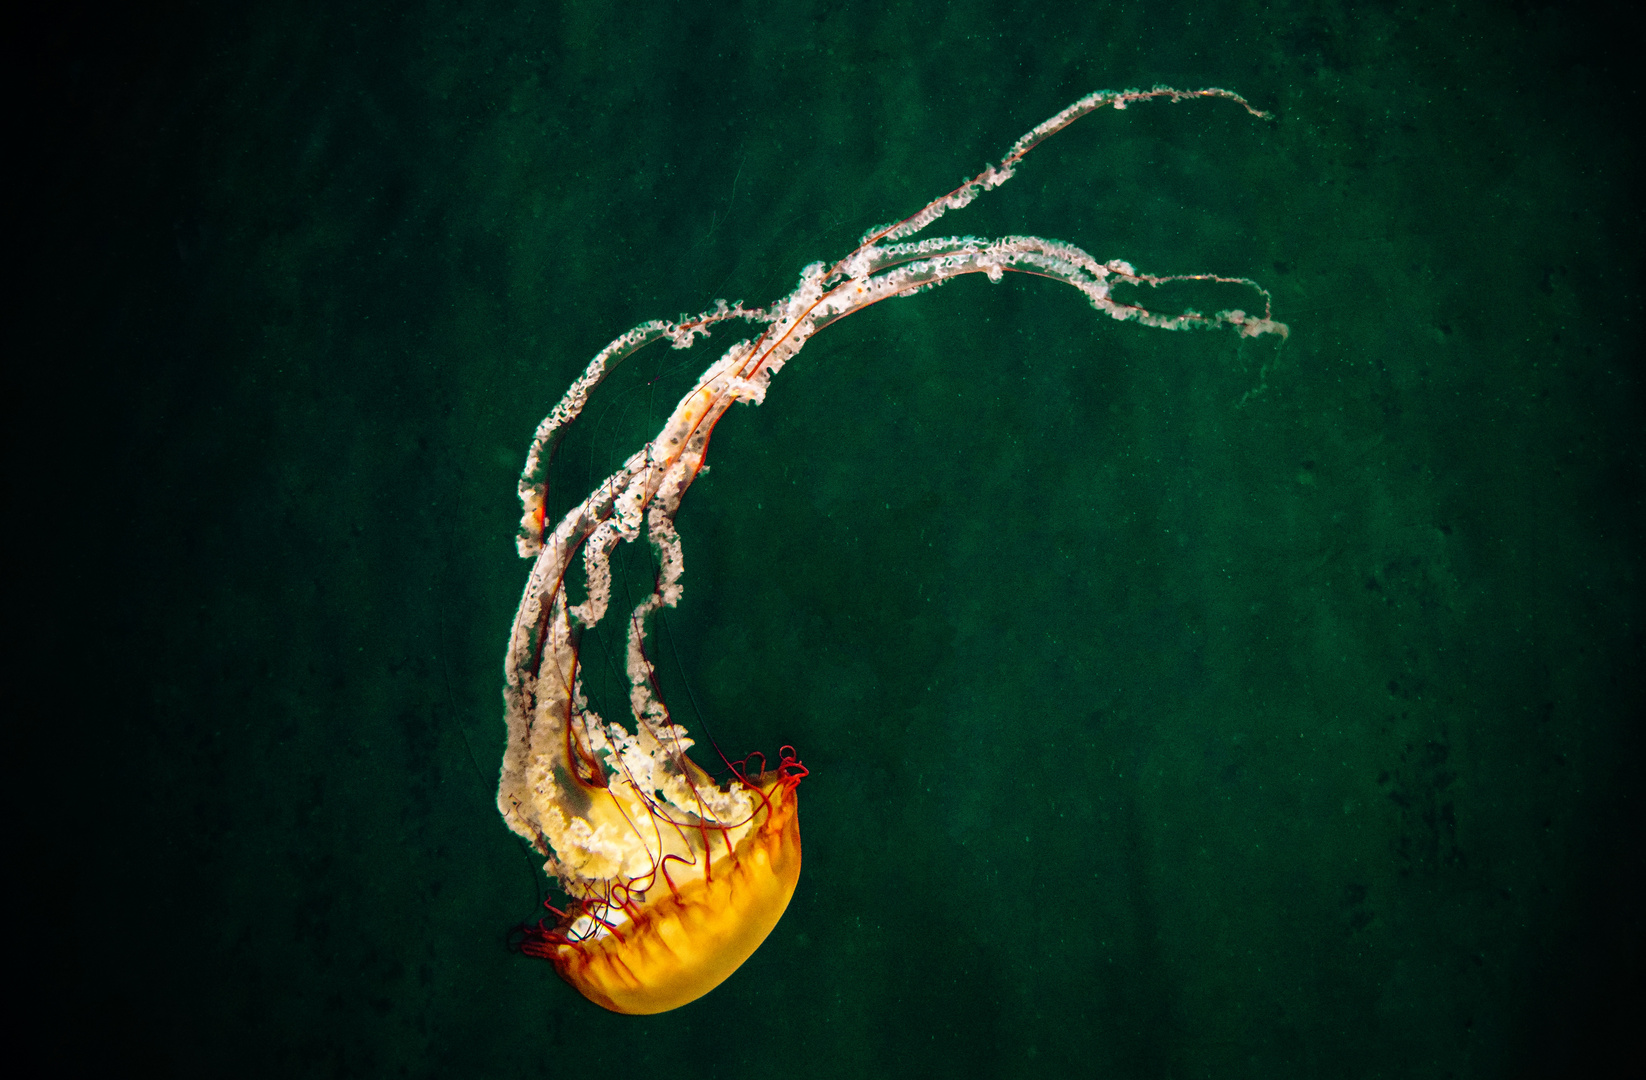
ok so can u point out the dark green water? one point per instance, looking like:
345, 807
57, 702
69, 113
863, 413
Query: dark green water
1176, 706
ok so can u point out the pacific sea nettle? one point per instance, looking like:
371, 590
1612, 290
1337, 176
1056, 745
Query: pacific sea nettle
674, 880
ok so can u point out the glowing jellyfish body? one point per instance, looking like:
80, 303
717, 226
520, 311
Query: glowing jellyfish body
675, 880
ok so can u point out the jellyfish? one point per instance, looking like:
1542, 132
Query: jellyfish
674, 879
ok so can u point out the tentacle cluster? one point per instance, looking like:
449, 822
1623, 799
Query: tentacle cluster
620, 814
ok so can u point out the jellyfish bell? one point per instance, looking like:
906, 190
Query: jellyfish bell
669, 938
674, 879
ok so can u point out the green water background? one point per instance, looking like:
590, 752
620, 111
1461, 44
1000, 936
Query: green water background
1176, 705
